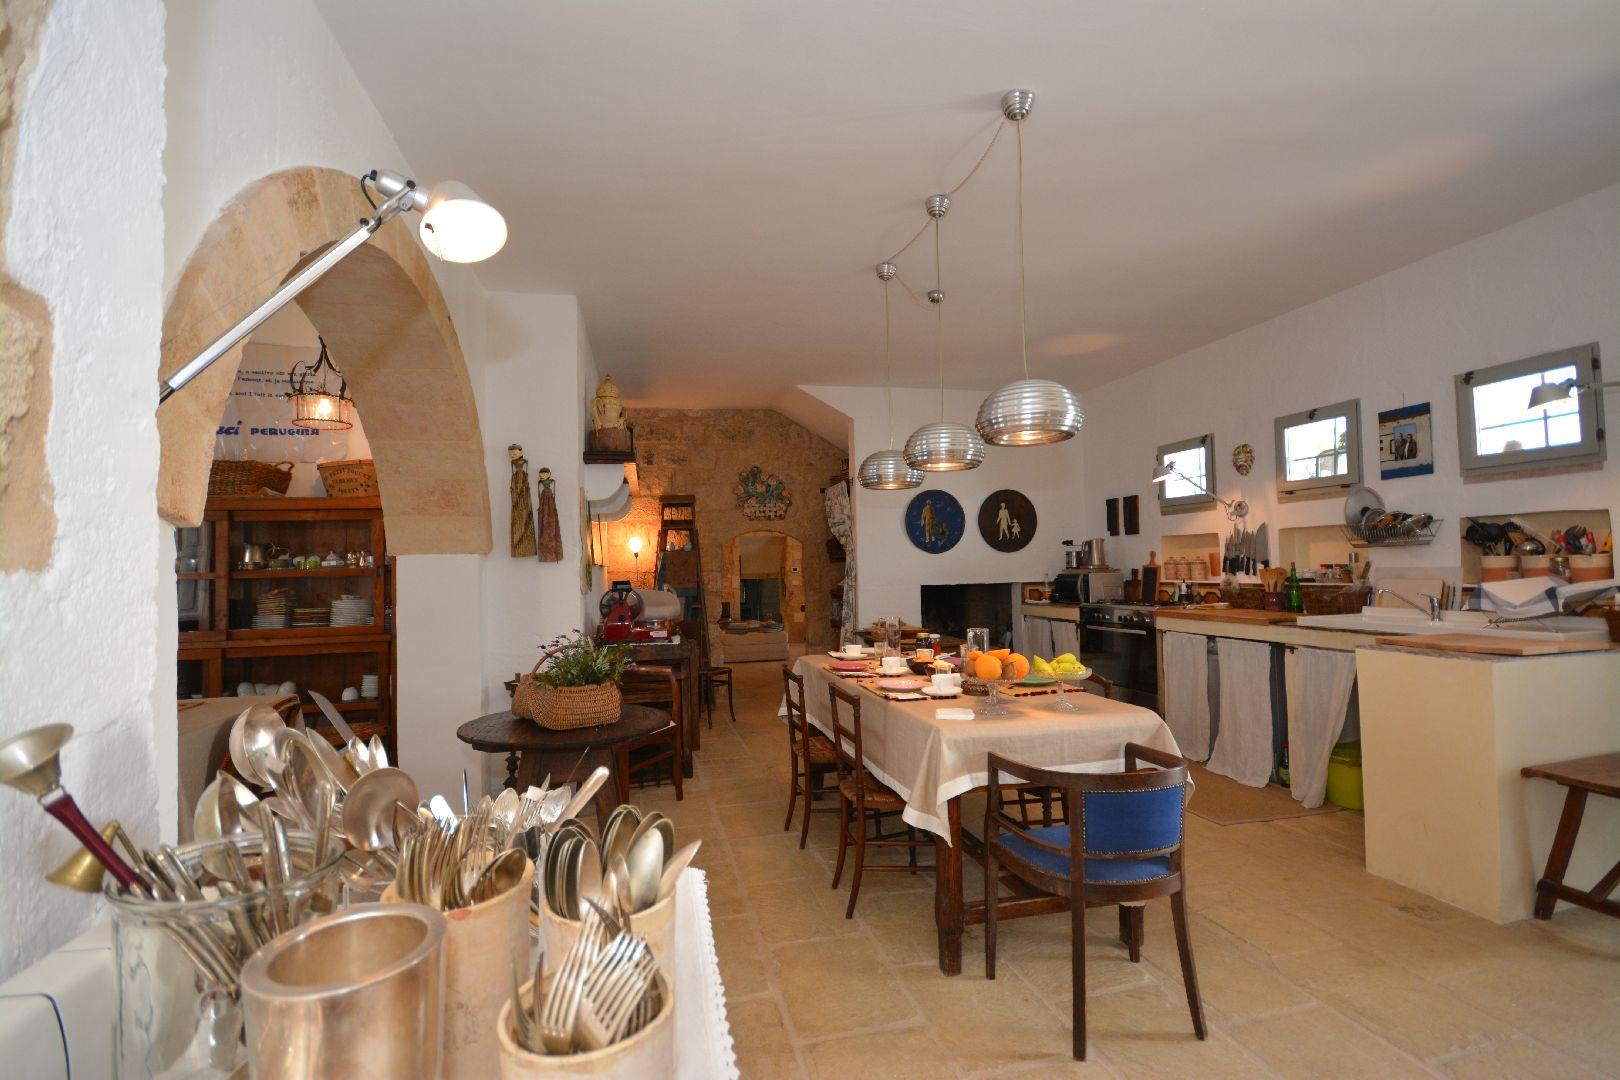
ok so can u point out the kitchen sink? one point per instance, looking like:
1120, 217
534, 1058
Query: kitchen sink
1396, 621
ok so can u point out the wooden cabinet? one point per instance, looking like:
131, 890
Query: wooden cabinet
219, 597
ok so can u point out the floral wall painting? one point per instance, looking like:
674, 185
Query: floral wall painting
762, 496
1007, 520
934, 521
1405, 442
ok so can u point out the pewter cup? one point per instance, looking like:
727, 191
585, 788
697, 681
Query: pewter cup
357, 993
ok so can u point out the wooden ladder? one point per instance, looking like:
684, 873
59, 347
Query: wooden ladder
677, 517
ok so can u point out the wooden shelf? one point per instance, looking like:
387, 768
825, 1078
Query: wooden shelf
323, 572
279, 505
610, 457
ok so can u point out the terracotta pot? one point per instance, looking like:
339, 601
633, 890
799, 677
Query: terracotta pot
1498, 567
480, 944
1535, 565
648, 1053
656, 924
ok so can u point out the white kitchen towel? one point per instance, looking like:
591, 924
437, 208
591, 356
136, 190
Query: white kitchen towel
1038, 636
953, 714
1319, 685
1186, 699
1243, 744
1065, 638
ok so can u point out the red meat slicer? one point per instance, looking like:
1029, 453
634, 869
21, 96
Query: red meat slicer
621, 608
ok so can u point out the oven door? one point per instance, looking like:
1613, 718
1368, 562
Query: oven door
1125, 656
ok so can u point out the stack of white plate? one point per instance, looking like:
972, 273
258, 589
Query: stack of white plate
351, 611
368, 686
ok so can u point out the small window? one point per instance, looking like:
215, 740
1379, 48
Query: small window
1498, 431
1319, 449
1190, 485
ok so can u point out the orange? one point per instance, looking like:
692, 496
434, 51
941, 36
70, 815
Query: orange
1015, 667
987, 666
974, 655
1001, 654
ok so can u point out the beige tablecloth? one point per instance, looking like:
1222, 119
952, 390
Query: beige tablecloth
929, 762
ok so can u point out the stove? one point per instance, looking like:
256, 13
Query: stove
1117, 641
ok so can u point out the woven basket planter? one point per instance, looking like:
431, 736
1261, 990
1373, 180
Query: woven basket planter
561, 708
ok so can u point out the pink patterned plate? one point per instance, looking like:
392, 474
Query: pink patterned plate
901, 685
848, 665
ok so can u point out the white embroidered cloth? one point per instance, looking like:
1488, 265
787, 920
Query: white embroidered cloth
703, 1047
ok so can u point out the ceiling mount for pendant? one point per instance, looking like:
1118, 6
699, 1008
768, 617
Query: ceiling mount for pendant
937, 206
1016, 105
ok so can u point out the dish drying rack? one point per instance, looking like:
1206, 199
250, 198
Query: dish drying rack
1402, 534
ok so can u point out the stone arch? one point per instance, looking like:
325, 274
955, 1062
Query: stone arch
792, 567
386, 321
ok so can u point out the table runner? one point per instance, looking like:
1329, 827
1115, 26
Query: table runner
928, 762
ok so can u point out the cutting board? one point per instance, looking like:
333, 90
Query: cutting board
1490, 645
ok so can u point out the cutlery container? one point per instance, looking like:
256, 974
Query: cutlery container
479, 946
648, 1053
656, 924
357, 993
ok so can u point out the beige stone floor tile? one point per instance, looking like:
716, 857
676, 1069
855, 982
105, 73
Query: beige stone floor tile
1045, 962
743, 965
1516, 1059
908, 1054
838, 987
1540, 1002
902, 924
764, 860
1147, 1031
1318, 1042
984, 1023
1274, 930
752, 790
801, 912
1424, 1019
726, 897
743, 820
1238, 981
761, 1039
1409, 938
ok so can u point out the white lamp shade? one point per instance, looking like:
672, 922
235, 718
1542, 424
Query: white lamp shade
459, 227
1550, 393
1162, 474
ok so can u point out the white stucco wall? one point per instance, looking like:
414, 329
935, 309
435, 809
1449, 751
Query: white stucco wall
78, 641
890, 570
1545, 283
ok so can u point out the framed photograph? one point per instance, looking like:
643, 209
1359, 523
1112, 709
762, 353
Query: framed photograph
1405, 442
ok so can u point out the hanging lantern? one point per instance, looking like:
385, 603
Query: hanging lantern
1027, 412
886, 470
944, 445
314, 403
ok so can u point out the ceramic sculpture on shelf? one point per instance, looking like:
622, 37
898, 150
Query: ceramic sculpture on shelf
551, 545
523, 538
608, 430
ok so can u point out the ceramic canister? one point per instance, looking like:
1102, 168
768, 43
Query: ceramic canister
480, 944
656, 924
648, 1053
354, 993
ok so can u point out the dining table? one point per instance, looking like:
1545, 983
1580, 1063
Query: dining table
932, 762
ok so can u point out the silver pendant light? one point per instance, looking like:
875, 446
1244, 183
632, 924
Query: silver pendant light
886, 470
1027, 412
944, 445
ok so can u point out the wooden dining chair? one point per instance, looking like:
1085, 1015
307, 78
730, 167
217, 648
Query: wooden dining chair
1122, 846
1053, 805
810, 755
651, 684
710, 680
863, 799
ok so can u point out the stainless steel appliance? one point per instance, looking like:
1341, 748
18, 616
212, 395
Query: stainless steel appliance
1080, 586
1091, 553
1117, 641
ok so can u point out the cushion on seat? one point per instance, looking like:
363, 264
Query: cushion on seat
1111, 871
820, 751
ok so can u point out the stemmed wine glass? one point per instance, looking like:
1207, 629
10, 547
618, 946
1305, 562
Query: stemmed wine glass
1067, 679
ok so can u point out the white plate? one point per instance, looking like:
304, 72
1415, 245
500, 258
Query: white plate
934, 691
901, 686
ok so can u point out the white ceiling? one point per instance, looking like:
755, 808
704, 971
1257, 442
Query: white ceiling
715, 180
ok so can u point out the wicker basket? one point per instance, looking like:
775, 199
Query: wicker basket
561, 708
349, 479
248, 477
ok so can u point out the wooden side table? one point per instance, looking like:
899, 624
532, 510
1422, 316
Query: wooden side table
1600, 775
532, 751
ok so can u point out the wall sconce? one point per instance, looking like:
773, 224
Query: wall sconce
314, 405
635, 553
1235, 508
457, 226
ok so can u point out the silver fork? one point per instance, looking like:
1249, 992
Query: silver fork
611, 999
562, 1004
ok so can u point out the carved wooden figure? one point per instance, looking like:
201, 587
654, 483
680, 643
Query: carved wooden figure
523, 538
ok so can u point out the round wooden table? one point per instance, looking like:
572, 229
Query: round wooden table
532, 751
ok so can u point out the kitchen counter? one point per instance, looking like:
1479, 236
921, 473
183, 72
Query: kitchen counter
1213, 624
1443, 737
1059, 612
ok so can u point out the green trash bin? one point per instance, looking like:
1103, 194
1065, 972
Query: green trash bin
1344, 776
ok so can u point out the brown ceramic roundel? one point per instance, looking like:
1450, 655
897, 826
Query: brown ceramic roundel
1007, 520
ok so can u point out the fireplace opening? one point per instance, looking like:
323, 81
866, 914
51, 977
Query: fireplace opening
951, 609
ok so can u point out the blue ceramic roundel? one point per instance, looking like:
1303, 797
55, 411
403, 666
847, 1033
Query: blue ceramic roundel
934, 521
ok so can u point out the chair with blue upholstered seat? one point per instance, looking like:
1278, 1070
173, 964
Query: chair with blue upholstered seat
1125, 836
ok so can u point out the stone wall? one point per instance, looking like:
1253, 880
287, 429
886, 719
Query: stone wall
699, 452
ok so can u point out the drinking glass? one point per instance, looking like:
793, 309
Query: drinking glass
891, 635
978, 640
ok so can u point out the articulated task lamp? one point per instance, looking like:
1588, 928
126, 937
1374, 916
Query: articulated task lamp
457, 226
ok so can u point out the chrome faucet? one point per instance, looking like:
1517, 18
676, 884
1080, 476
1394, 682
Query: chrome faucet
1432, 611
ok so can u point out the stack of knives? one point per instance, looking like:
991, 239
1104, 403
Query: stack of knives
1245, 552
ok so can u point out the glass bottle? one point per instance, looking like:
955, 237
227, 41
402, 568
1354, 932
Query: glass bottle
1295, 594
